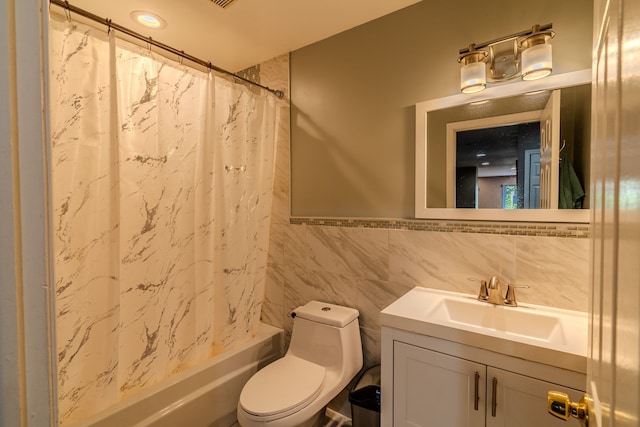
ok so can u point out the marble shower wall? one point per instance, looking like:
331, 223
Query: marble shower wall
368, 268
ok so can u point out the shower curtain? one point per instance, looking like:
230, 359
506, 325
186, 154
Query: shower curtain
161, 199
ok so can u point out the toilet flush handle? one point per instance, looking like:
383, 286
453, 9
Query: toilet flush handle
293, 313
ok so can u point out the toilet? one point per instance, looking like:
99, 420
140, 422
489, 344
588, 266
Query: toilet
325, 354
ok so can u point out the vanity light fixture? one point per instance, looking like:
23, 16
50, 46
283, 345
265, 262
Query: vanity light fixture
148, 19
527, 54
473, 77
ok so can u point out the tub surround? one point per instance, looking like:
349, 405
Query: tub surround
204, 395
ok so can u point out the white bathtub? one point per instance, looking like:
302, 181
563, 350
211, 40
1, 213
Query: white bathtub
202, 396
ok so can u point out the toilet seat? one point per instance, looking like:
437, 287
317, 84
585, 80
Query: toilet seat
281, 388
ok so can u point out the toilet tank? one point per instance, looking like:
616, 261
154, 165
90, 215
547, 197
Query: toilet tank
328, 314
326, 334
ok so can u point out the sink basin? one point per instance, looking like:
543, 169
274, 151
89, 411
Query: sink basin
518, 321
528, 331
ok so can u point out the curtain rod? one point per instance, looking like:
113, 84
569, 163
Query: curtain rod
112, 25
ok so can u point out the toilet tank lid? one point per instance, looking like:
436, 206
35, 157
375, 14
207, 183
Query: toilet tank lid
330, 314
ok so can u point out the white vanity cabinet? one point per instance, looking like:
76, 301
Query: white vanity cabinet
521, 400
429, 381
436, 389
449, 360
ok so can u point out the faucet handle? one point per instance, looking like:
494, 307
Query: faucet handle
483, 295
510, 298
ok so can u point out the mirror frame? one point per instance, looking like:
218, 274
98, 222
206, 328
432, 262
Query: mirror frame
556, 81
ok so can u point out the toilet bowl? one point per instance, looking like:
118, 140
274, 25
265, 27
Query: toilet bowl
325, 353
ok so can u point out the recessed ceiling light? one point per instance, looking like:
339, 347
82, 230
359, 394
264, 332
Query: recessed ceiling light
481, 155
148, 19
485, 163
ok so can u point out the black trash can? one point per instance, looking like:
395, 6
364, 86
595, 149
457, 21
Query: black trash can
365, 399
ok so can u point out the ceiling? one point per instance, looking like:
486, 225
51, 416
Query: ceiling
494, 151
247, 32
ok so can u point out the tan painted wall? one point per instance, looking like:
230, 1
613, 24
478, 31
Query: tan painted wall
353, 95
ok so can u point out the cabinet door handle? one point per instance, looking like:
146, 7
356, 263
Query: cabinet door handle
494, 396
476, 397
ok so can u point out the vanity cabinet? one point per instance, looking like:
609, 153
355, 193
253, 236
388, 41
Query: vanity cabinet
436, 389
434, 382
521, 400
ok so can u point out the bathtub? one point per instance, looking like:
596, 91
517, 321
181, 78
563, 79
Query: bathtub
203, 396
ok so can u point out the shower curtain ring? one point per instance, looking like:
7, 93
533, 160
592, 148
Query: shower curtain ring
108, 26
67, 10
182, 57
149, 43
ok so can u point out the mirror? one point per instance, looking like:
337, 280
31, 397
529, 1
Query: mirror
471, 152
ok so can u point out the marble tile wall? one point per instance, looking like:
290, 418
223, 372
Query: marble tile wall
368, 266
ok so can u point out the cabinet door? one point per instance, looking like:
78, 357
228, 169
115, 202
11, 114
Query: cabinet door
521, 401
434, 389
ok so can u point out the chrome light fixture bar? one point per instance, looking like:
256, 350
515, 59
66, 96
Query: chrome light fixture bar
527, 54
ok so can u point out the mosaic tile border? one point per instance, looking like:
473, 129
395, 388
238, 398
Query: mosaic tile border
581, 231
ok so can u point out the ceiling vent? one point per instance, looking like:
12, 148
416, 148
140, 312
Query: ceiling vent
223, 3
